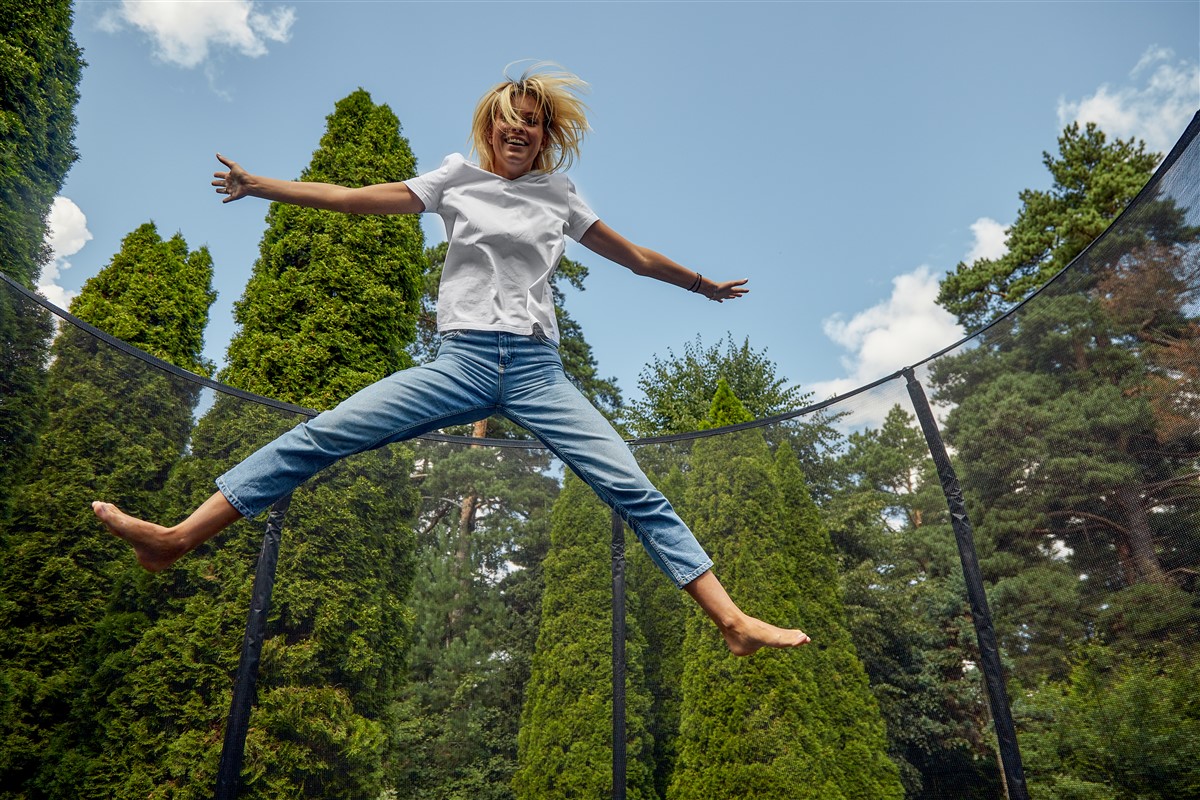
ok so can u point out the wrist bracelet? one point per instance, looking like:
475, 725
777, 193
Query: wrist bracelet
695, 287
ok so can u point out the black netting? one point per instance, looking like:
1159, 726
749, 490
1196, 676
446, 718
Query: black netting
428, 592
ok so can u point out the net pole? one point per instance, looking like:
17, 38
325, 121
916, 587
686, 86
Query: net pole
618, 656
229, 773
981, 616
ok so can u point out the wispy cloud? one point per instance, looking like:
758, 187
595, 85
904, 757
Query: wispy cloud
66, 234
186, 33
1156, 107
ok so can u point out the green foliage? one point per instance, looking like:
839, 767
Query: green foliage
1074, 420
40, 66
1115, 729
329, 308
679, 389
778, 724
25, 330
148, 294
660, 611
343, 289
565, 744
907, 611
115, 430
726, 409
1094, 180
481, 539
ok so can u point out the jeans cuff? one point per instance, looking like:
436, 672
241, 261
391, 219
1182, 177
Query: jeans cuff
241, 507
696, 573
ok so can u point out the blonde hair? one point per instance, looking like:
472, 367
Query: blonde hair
563, 113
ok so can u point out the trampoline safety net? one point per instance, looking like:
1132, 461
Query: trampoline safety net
440, 620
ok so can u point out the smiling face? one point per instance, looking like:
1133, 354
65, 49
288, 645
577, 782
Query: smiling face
516, 147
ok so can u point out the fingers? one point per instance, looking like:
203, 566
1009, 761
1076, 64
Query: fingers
729, 290
226, 183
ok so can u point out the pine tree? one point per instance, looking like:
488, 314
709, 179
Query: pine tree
565, 744
1094, 180
1069, 416
40, 66
116, 427
778, 724
330, 307
907, 612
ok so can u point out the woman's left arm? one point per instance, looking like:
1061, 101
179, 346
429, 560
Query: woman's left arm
604, 241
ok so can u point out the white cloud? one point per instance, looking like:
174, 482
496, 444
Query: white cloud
989, 240
183, 33
895, 333
66, 234
1157, 111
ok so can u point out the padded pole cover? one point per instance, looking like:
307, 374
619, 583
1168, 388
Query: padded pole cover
618, 656
989, 649
229, 773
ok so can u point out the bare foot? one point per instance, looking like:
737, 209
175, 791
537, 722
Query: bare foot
749, 635
154, 545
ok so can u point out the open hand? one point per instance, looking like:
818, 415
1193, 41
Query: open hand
729, 290
231, 183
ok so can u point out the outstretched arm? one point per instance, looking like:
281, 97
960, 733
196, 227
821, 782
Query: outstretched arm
603, 240
383, 198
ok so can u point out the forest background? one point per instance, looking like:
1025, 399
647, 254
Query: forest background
428, 592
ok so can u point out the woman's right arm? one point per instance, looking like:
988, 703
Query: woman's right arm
382, 198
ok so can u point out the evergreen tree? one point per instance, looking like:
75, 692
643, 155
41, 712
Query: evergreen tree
481, 540
907, 611
1119, 728
678, 392
116, 427
40, 66
330, 307
779, 724
660, 612
1069, 417
350, 284
565, 744
1094, 180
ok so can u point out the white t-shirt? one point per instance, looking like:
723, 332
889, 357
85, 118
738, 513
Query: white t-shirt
506, 238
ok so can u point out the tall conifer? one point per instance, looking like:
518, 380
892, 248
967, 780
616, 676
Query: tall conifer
785, 724
116, 427
330, 308
565, 742
40, 65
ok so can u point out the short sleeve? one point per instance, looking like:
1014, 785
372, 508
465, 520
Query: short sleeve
430, 185
579, 216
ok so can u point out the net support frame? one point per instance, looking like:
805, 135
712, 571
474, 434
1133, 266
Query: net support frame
233, 750
981, 615
618, 656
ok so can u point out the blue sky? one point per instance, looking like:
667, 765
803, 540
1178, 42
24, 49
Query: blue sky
842, 156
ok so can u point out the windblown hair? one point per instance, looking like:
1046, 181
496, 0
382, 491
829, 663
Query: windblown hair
564, 115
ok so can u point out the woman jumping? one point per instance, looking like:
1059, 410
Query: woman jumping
506, 221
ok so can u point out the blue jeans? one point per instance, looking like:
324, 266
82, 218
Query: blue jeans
475, 375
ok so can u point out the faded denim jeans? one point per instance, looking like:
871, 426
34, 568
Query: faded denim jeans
475, 375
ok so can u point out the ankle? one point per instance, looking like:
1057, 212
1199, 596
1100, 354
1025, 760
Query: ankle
734, 622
